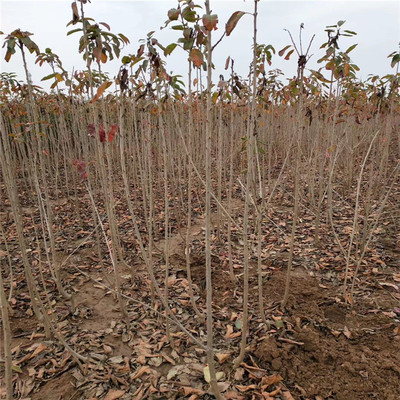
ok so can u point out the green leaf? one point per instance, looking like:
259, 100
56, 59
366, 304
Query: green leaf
330, 51
187, 33
73, 31
135, 60
145, 64
48, 77
270, 47
188, 44
10, 49
214, 97
279, 324
16, 368
117, 50
320, 77
351, 48
189, 15
126, 60
350, 32
177, 27
340, 23
395, 60
30, 45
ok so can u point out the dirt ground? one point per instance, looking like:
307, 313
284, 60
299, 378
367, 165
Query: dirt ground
341, 352
320, 347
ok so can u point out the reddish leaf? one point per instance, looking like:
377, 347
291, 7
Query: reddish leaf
282, 52
75, 13
112, 132
97, 53
173, 14
228, 60
210, 21
8, 56
289, 54
102, 133
330, 66
140, 50
91, 130
81, 168
232, 22
196, 56
106, 25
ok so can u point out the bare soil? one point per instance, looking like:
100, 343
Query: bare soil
342, 352
320, 347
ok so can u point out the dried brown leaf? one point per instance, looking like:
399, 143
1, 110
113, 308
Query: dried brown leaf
114, 394
101, 90
142, 370
189, 390
222, 357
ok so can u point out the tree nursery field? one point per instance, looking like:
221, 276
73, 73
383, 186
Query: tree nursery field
231, 239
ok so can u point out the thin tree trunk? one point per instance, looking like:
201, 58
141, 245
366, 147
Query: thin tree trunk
7, 341
209, 324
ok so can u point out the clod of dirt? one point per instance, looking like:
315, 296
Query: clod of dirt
310, 340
